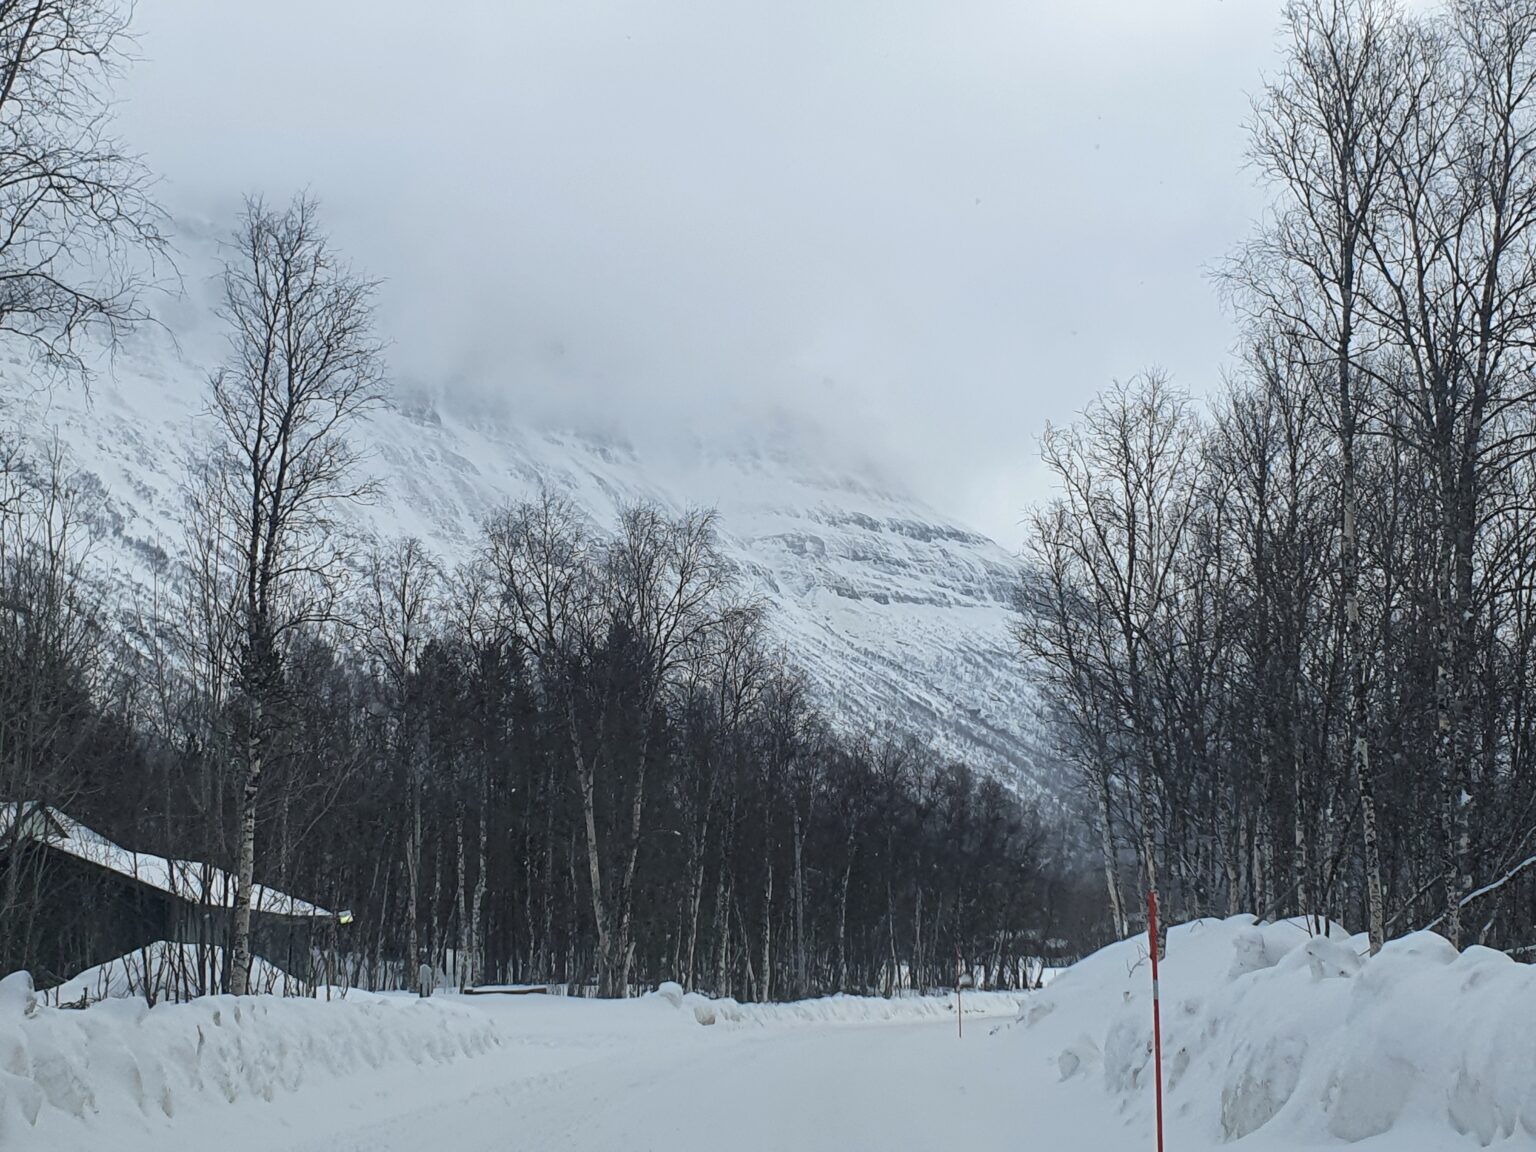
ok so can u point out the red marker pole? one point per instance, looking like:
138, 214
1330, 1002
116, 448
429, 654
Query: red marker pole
1157, 1020
959, 1004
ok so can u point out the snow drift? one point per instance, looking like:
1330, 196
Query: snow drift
121, 1063
1273, 1032
838, 1009
164, 971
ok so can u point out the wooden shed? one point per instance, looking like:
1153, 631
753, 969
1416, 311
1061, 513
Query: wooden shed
71, 899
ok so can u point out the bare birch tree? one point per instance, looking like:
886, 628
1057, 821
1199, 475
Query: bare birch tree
618, 616
79, 228
1110, 549
1325, 133
304, 366
398, 616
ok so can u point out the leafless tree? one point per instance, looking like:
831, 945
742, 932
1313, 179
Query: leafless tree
1108, 555
304, 366
80, 231
398, 616
1326, 133
52, 649
636, 605
1454, 253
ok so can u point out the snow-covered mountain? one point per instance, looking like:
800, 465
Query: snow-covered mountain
901, 616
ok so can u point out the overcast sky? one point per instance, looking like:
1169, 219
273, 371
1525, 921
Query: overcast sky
929, 226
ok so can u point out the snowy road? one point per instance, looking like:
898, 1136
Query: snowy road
861, 1086
593, 1076
584, 1076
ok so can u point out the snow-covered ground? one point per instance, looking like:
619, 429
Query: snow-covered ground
164, 972
1274, 1039
1277, 1038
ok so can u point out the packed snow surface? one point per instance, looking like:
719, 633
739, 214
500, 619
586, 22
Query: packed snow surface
1275, 1037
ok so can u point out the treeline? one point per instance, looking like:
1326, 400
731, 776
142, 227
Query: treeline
580, 759
1290, 637
575, 757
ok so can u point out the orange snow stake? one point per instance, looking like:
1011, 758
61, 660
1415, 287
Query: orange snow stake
1157, 1023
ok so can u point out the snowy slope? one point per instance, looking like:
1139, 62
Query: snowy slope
899, 614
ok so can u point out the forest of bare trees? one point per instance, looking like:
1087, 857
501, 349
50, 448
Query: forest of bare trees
1288, 635
573, 754
577, 756
578, 759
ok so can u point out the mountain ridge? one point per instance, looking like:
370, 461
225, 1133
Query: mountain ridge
898, 614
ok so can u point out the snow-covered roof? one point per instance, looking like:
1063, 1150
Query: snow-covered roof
190, 880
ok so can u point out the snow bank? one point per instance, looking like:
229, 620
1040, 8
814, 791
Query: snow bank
120, 1062
163, 971
838, 1009
1269, 1029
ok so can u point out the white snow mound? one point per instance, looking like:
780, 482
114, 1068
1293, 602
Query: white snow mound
1268, 1027
164, 971
122, 1064
839, 1009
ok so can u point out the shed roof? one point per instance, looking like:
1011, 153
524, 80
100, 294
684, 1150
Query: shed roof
189, 880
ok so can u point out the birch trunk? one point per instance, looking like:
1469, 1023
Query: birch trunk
1107, 855
245, 868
